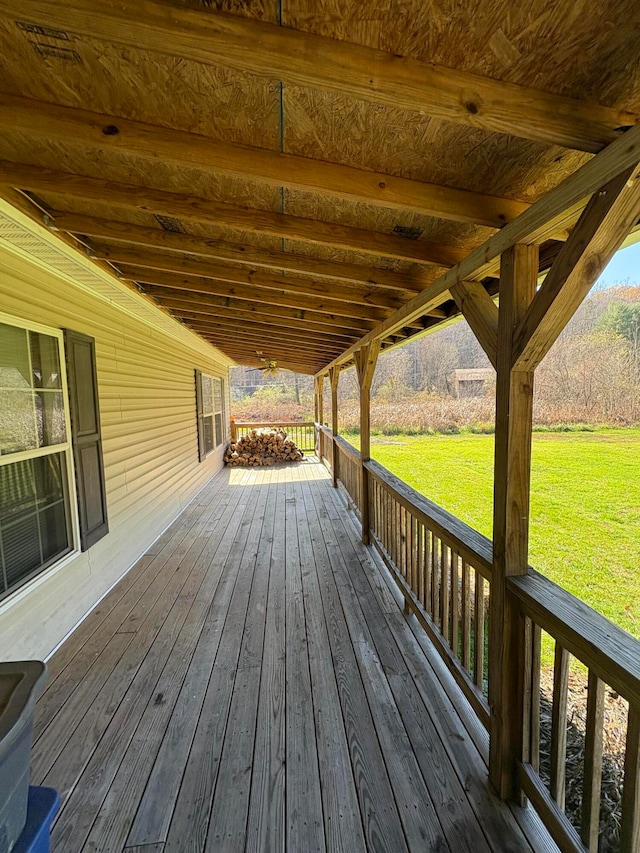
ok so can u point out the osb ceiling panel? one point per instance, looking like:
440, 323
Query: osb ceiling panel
367, 216
114, 166
121, 81
550, 46
324, 126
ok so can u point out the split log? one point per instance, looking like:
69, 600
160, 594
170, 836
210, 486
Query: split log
262, 447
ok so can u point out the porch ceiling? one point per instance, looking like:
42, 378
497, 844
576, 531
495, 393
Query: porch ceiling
284, 179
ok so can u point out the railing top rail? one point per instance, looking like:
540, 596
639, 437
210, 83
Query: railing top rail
472, 546
263, 424
610, 653
347, 448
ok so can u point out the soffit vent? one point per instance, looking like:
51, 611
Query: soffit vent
170, 223
407, 231
31, 240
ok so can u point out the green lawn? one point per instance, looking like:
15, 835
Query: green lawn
585, 504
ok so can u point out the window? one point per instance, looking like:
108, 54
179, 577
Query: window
35, 454
218, 410
210, 409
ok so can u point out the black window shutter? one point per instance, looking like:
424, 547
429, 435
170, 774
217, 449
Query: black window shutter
201, 448
85, 437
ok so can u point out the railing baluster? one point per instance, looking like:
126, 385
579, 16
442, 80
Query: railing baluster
412, 552
398, 537
444, 590
435, 570
466, 615
455, 602
401, 554
559, 724
590, 817
428, 564
422, 535
478, 639
630, 828
534, 748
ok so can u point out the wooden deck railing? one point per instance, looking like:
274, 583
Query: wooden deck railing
348, 466
302, 433
324, 445
444, 570
612, 659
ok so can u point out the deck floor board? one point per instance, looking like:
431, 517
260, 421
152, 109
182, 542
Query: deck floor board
252, 685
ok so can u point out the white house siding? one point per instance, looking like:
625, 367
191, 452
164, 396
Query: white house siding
148, 417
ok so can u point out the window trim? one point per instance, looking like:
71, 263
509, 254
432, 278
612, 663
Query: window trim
39, 575
201, 414
220, 412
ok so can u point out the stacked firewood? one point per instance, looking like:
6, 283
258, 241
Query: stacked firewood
262, 447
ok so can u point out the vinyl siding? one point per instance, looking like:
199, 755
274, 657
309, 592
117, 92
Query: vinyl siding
148, 416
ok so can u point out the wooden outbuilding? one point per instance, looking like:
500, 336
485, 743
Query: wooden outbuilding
187, 185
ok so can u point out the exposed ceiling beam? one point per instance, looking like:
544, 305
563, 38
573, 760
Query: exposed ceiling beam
233, 324
235, 274
273, 352
100, 132
230, 321
265, 323
189, 301
241, 253
305, 59
287, 364
227, 342
535, 225
194, 209
309, 350
196, 284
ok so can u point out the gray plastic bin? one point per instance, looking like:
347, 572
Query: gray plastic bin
20, 684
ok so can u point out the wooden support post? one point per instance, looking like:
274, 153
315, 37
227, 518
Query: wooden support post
320, 398
514, 404
365, 359
234, 431
334, 376
316, 417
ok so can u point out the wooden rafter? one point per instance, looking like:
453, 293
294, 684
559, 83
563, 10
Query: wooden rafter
197, 284
305, 59
307, 351
179, 300
273, 348
100, 132
283, 357
480, 312
286, 364
231, 321
606, 221
236, 274
253, 332
535, 225
205, 247
194, 209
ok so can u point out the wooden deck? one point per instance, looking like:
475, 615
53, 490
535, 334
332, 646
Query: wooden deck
252, 684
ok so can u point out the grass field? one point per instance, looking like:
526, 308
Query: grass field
585, 504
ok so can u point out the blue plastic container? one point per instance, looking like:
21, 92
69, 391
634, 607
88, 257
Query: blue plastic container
20, 684
43, 806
